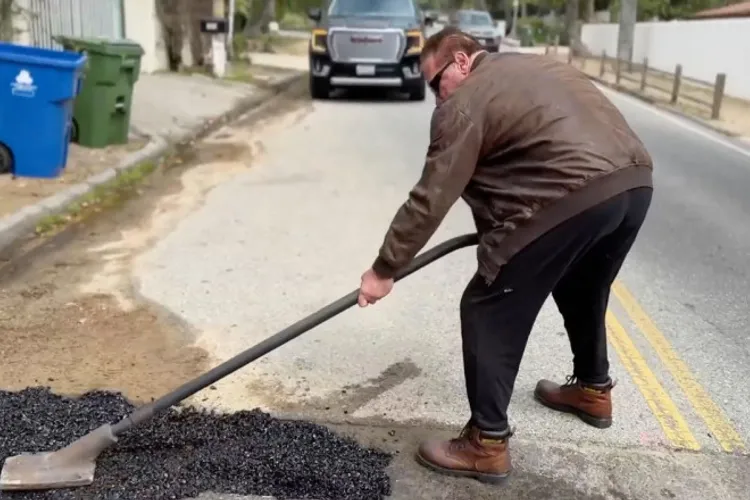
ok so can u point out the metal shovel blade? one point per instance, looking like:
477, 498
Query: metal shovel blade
71, 466
42, 471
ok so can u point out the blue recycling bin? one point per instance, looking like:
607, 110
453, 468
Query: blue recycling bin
39, 87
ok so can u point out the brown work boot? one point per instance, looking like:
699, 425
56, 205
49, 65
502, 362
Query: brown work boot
480, 455
592, 403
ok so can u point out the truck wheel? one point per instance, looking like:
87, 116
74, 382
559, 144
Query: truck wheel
417, 93
319, 88
6, 160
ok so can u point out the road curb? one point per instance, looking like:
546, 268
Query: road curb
654, 102
24, 221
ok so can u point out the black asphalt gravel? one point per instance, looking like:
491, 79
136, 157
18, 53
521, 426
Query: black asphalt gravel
182, 453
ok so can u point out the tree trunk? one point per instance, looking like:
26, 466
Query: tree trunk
268, 15
168, 12
247, 30
508, 13
6, 20
257, 26
626, 31
590, 11
571, 25
197, 10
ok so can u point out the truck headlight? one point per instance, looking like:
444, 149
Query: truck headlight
414, 42
319, 40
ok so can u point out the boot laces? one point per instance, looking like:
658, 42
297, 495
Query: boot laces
463, 439
570, 381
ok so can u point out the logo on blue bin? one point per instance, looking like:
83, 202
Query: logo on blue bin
23, 86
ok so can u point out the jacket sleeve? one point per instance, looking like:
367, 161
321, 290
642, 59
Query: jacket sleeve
455, 145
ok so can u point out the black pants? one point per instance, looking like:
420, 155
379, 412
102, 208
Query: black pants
576, 262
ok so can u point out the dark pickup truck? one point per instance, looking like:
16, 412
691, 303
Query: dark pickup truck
367, 43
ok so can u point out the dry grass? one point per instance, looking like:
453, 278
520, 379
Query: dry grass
694, 98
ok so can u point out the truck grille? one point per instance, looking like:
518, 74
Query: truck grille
352, 45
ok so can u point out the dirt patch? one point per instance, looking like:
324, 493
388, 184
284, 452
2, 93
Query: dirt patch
69, 317
90, 344
82, 164
216, 159
78, 326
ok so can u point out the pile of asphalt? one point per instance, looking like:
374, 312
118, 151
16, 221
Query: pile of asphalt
182, 453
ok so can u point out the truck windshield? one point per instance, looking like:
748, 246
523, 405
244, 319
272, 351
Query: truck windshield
476, 19
371, 8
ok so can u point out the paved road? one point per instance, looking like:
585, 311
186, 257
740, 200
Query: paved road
296, 231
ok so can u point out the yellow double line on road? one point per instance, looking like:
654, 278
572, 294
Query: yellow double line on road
672, 422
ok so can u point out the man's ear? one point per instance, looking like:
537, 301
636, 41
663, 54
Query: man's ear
463, 61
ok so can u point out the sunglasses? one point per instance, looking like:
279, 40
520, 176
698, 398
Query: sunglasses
435, 82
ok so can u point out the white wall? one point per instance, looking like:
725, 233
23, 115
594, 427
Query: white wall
142, 26
704, 48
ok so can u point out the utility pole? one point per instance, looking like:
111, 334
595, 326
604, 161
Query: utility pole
626, 31
230, 23
218, 43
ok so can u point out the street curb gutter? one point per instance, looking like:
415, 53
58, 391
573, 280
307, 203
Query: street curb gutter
655, 103
24, 221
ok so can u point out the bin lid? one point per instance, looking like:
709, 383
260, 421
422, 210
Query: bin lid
24, 55
103, 45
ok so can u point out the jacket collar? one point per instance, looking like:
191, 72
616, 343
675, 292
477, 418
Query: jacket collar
478, 60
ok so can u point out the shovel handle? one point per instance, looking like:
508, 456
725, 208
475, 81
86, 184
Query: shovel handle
274, 342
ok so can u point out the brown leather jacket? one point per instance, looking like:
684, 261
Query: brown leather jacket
527, 142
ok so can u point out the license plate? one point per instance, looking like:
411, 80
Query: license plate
365, 70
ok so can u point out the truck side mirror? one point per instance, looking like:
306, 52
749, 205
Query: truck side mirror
314, 13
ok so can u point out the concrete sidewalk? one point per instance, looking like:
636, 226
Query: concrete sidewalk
167, 109
171, 105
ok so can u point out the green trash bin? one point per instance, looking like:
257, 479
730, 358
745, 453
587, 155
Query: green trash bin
101, 113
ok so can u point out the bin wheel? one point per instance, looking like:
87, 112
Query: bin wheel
73, 130
6, 160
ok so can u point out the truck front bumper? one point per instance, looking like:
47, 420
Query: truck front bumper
394, 75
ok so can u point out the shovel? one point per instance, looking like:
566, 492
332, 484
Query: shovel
75, 464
